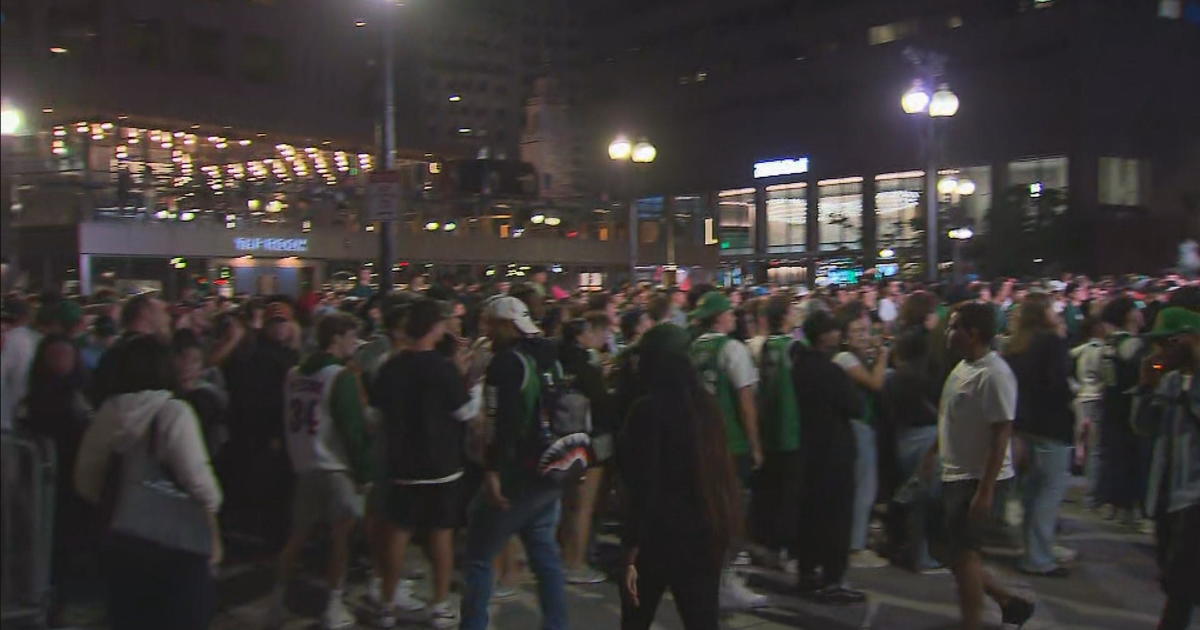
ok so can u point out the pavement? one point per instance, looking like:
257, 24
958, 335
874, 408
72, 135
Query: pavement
1112, 586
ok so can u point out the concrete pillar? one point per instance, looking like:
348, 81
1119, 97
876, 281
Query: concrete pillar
813, 235
85, 274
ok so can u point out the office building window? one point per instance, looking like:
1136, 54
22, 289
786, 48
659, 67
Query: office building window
1040, 173
897, 206
206, 54
650, 213
896, 31
787, 217
975, 205
147, 43
1122, 181
262, 59
839, 213
735, 221
687, 212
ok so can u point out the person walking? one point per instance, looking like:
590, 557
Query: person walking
324, 421
1088, 383
1120, 448
514, 499
145, 453
828, 399
683, 500
975, 423
728, 371
1165, 410
1038, 356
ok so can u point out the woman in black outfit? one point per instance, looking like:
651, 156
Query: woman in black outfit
683, 499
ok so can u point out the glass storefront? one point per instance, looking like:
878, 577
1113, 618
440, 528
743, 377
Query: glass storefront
897, 206
687, 213
976, 204
840, 213
735, 221
1050, 172
787, 216
650, 214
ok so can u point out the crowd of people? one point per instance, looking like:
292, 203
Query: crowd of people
809, 431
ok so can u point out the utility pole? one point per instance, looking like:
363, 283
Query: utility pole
386, 230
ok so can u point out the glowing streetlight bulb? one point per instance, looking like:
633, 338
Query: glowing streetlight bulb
620, 148
644, 152
966, 187
432, 226
11, 121
553, 221
944, 102
915, 100
947, 185
537, 219
887, 253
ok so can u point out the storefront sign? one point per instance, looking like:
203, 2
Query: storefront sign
289, 245
775, 168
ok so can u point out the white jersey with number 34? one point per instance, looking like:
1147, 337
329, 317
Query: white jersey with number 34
313, 442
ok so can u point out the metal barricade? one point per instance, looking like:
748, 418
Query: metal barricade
26, 527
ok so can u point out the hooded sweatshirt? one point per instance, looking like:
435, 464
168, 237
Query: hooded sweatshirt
121, 423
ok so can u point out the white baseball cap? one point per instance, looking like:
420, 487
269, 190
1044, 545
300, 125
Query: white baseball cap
514, 310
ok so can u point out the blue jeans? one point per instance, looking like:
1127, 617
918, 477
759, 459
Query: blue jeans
911, 446
533, 515
866, 483
1043, 485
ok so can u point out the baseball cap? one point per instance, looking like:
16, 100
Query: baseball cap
1175, 320
711, 303
511, 309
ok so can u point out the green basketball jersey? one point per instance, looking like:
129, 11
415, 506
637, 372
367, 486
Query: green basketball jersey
706, 355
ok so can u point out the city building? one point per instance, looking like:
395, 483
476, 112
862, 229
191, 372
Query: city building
784, 118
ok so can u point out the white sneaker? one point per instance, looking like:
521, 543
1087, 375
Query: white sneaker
336, 616
743, 559
504, 593
735, 595
1065, 555
443, 615
586, 575
867, 559
405, 600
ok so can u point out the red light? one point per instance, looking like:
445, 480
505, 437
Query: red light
221, 281
572, 234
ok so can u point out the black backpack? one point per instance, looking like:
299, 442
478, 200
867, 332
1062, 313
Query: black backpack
559, 442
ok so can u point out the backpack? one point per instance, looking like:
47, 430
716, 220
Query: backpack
559, 441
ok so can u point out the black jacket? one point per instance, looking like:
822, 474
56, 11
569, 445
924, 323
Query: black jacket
1043, 392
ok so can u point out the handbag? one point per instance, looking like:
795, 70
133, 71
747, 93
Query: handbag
151, 506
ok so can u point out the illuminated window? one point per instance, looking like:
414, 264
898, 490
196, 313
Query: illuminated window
1049, 172
896, 31
686, 212
1170, 9
787, 217
897, 205
1121, 181
735, 221
839, 213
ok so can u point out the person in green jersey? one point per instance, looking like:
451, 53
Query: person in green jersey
774, 512
728, 372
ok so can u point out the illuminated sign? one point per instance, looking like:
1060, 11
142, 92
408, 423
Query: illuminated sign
775, 168
290, 245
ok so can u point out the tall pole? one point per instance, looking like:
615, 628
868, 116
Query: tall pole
386, 255
931, 201
626, 169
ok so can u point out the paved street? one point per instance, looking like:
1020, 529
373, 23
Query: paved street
1112, 587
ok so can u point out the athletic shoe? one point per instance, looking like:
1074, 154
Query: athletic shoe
405, 600
504, 593
585, 575
1056, 572
867, 559
934, 570
839, 595
743, 559
336, 616
1065, 555
735, 595
443, 615
1017, 612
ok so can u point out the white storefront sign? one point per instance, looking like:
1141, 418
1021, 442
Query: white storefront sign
775, 168
253, 244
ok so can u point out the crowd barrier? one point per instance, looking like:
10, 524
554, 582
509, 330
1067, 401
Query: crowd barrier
27, 528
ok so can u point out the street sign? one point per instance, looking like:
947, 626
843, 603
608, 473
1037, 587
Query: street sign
383, 196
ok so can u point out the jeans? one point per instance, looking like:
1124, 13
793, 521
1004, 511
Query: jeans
533, 515
911, 446
1089, 411
866, 483
1043, 485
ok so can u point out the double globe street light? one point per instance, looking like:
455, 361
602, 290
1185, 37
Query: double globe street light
621, 151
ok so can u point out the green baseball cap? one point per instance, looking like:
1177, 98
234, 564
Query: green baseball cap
1175, 320
710, 304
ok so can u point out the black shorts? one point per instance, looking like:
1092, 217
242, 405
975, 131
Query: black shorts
959, 531
424, 506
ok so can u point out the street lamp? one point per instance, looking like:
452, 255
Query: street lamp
11, 121
943, 103
959, 235
622, 151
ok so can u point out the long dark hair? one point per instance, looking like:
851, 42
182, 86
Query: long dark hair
50, 392
674, 381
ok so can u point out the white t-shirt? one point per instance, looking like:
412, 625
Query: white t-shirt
755, 345
20, 346
736, 362
846, 360
977, 395
888, 311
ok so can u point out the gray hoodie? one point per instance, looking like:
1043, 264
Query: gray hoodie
119, 426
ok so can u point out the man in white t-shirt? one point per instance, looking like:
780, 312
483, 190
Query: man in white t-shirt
975, 420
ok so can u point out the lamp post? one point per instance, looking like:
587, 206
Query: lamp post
622, 152
386, 230
942, 103
959, 235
